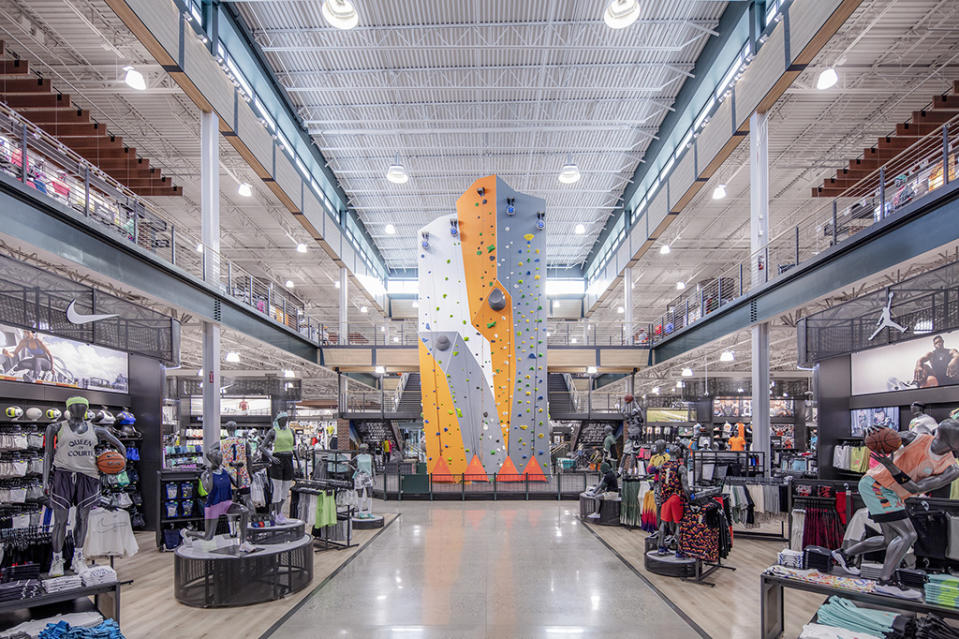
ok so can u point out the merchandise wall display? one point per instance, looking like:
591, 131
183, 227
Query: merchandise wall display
482, 330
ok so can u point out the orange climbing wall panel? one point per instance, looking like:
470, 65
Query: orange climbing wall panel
441, 429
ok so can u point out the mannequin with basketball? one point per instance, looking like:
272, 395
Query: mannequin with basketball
71, 475
923, 463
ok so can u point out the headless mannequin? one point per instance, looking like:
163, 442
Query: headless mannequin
898, 535
634, 431
921, 422
253, 465
609, 446
215, 458
363, 482
282, 463
67, 487
668, 530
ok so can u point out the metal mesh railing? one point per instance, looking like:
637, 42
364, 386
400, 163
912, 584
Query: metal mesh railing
464, 486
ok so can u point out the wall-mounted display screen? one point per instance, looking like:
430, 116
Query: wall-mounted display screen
732, 407
926, 362
654, 415
863, 418
782, 408
29, 356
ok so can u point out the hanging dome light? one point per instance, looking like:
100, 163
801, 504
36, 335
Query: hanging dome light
570, 172
664, 249
340, 14
719, 192
827, 79
245, 189
134, 79
580, 229
680, 286
397, 172
620, 14
390, 229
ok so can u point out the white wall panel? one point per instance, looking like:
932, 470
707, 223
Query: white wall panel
313, 210
683, 176
806, 18
286, 176
657, 210
164, 26
255, 136
715, 135
208, 77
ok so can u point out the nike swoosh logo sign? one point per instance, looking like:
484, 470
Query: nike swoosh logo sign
78, 318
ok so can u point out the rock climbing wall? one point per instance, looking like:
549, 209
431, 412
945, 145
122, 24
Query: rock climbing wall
482, 329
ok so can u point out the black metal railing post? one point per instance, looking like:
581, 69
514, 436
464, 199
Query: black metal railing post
740, 279
945, 154
835, 222
882, 192
797, 245
463, 487
24, 162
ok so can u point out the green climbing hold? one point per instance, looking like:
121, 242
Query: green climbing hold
490, 248
490, 324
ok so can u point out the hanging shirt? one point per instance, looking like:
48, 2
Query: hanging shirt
75, 452
234, 460
364, 463
672, 479
282, 440
222, 488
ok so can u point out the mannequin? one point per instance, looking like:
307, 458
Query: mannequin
240, 462
219, 483
71, 477
363, 482
921, 422
659, 456
738, 443
924, 463
609, 446
634, 432
608, 488
282, 444
671, 491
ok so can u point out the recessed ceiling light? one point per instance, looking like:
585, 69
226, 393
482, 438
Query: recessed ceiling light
719, 192
288, 374
570, 172
290, 284
390, 229
199, 247
134, 79
301, 248
397, 172
727, 356
580, 229
664, 249
245, 189
340, 14
620, 14
233, 357
620, 310
591, 370
687, 372
680, 286
827, 79
363, 309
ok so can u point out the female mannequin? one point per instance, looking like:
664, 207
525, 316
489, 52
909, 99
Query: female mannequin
219, 483
281, 444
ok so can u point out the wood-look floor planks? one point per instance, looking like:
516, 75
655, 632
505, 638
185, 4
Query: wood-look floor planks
149, 610
730, 610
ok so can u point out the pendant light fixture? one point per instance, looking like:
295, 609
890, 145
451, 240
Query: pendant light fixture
245, 189
827, 79
719, 192
664, 249
570, 172
390, 229
580, 229
620, 14
397, 172
340, 14
134, 79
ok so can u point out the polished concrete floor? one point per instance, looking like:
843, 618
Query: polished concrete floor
485, 569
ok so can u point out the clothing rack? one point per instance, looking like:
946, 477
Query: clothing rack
315, 486
837, 484
704, 495
765, 481
751, 462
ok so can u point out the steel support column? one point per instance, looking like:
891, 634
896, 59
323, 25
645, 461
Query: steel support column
210, 214
344, 307
758, 238
628, 304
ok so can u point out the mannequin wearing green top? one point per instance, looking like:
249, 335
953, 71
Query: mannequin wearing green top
609, 446
281, 446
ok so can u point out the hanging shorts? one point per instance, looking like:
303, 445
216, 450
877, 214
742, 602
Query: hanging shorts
73, 489
672, 510
284, 469
883, 503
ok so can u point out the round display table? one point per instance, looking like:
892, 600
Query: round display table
226, 577
669, 565
292, 530
608, 509
367, 523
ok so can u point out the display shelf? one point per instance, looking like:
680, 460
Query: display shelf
108, 604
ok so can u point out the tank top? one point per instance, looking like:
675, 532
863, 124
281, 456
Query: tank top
75, 452
221, 490
282, 440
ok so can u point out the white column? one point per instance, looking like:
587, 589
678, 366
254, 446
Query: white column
758, 236
210, 214
628, 304
344, 307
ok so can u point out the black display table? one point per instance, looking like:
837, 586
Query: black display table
367, 523
292, 530
772, 595
608, 509
224, 578
106, 597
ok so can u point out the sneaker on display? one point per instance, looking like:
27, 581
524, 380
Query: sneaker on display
78, 565
246, 547
56, 568
892, 590
840, 558
281, 519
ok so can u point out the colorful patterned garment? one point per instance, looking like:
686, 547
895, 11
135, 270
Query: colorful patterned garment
648, 518
672, 481
234, 452
696, 538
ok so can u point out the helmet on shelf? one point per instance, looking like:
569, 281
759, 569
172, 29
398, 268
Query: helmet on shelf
13, 412
53, 414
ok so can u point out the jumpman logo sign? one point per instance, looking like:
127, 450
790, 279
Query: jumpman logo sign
885, 319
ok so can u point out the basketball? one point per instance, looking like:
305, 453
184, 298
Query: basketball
883, 441
110, 462
628, 399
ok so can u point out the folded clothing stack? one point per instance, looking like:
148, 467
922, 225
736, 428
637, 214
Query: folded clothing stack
20, 589
819, 631
911, 577
62, 630
843, 613
96, 575
59, 584
30, 570
817, 557
33, 627
870, 570
943, 590
791, 558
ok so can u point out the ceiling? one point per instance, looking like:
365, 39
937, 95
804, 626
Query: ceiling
465, 89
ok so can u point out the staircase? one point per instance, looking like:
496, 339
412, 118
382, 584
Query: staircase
560, 399
410, 405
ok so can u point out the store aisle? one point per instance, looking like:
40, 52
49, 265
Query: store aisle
485, 569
